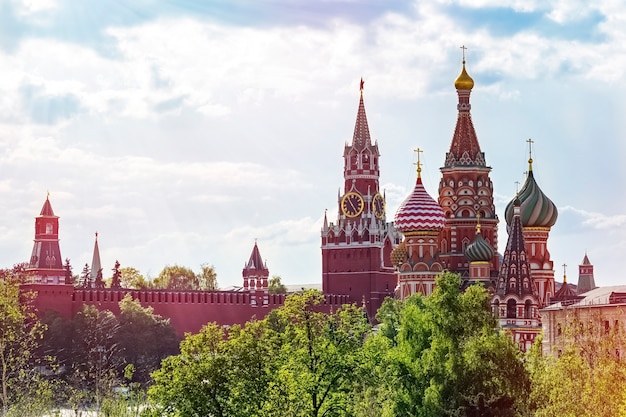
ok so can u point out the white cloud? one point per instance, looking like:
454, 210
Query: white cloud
598, 220
26, 8
195, 137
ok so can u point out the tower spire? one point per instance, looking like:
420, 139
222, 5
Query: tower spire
361, 137
96, 266
464, 149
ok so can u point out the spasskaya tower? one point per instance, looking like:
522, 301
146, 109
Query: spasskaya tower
356, 248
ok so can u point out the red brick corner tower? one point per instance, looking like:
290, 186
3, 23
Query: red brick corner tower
465, 190
255, 276
356, 249
45, 263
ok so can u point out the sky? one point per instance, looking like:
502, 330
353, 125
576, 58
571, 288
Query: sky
184, 131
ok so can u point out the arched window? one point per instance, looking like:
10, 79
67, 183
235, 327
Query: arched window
528, 308
511, 309
496, 308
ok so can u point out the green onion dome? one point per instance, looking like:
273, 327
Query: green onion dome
479, 250
536, 210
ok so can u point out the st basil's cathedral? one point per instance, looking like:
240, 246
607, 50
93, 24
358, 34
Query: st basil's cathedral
368, 258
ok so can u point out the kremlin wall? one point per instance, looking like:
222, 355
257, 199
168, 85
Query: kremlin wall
365, 256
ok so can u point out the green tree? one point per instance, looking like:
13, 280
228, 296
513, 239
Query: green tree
298, 361
85, 280
96, 357
116, 279
143, 339
69, 279
587, 377
275, 286
132, 278
449, 359
317, 358
99, 281
196, 382
177, 278
207, 278
20, 332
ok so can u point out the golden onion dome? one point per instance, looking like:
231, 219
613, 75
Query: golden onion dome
464, 81
399, 254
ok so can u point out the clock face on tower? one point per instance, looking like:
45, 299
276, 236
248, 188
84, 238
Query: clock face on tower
352, 204
378, 206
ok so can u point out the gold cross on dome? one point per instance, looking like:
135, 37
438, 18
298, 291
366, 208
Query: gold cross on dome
419, 164
463, 48
530, 148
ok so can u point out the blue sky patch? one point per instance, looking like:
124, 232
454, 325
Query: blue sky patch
48, 109
507, 22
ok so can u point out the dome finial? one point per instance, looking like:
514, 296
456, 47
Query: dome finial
419, 164
530, 154
464, 81
361, 86
564, 273
478, 224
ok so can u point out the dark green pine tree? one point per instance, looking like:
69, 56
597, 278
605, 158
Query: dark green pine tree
68, 271
99, 283
116, 281
84, 277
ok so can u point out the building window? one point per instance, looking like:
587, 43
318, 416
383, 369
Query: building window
528, 309
511, 309
48, 228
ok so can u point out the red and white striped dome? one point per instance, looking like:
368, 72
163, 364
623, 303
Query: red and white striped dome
420, 212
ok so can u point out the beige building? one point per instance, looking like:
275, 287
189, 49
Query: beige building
603, 309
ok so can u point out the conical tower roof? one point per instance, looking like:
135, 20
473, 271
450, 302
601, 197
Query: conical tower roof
46, 210
95, 261
255, 264
464, 149
514, 276
361, 137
